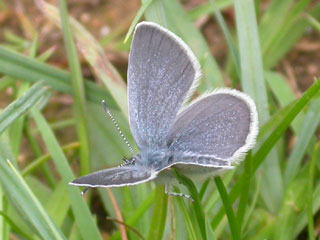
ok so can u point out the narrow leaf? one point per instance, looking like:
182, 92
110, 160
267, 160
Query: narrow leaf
26, 203
21, 105
83, 218
79, 105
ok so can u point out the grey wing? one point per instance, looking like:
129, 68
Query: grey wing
222, 125
161, 70
115, 177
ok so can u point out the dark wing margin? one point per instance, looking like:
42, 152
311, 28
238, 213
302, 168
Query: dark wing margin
115, 177
161, 71
222, 125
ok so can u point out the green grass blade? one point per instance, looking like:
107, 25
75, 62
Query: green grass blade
83, 218
4, 225
159, 215
78, 90
302, 220
47, 54
138, 213
228, 208
273, 20
58, 204
37, 151
252, 81
26, 203
207, 8
233, 50
309, 127
244, 196
213, 199
21, 105
204, 188
265, 148
6, 82
314, 22
190, 224
286, 33
136, 19
201, 220
14, 226
284, 94
95, 56
35, 164
31, 70
15, 131
310, 187
280, 88
251, 208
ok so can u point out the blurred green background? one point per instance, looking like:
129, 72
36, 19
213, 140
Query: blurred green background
55, 71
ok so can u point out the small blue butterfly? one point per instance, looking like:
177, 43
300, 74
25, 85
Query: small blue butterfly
208, 136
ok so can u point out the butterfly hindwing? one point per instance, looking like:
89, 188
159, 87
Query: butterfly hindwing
222, 125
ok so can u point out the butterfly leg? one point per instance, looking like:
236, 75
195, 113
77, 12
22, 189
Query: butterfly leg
177, 194
85, 190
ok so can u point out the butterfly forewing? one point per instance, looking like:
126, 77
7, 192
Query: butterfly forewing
115, 177
160, 72
222, 125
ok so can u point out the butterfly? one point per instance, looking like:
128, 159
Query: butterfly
203, 138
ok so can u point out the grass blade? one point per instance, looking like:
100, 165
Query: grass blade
139, 212
21, 105
228, 208
233, 50
312, 165
58, 205
252, 81
285, 32
31, 70
78, 90
26, 203
284, 95
314, 22
192, 233
159, 215
136, 19
15, 131
196, 204
83, 218
95, 56
309, 127
207, 8
44, 158
244, 197
265, 148
14, 226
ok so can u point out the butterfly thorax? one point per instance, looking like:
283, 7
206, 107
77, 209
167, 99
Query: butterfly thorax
155, 159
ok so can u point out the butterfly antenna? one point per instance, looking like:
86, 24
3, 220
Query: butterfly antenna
106, 109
